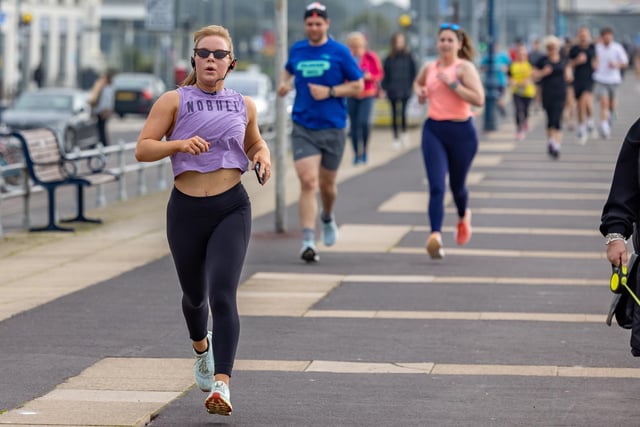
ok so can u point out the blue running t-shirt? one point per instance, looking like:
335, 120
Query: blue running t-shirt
330, 64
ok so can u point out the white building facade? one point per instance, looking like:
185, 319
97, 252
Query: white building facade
63, 36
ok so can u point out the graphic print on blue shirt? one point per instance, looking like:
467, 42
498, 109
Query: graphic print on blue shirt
330, 64
313, 68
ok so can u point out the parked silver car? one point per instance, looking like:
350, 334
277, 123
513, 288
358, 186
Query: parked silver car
66, 110
258, 86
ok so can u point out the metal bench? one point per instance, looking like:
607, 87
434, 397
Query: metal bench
49, 168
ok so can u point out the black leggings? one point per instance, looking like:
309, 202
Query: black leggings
398, 116
102, 130
554, 108
208, 238
521, 105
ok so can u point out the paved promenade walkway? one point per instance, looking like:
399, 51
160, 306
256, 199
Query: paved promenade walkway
508, 330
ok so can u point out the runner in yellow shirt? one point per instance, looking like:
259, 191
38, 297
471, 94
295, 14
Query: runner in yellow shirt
523, 89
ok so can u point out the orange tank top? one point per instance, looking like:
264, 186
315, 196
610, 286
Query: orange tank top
444, 103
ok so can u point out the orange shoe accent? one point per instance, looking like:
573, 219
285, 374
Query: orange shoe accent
463, 234
217, 404
434, 247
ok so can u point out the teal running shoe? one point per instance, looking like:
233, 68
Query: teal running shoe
219, 400
329, 232
204, 367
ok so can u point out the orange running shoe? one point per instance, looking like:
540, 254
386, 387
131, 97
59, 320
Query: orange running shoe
463, 231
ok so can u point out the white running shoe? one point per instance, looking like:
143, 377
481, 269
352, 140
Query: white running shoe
404, 138
434, 247
605, 130
582, 138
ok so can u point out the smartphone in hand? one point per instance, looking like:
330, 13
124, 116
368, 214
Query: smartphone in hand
260, 177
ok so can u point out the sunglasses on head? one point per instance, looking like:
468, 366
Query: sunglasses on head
317, 6
217, 54
449, 26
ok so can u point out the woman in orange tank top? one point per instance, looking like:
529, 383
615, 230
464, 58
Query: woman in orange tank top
450, 85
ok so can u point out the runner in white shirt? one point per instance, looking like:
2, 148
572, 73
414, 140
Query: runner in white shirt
610, 59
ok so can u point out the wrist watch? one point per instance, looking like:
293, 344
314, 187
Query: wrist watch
612, 237
453, 85
332, 92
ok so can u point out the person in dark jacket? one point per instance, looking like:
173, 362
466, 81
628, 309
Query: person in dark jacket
399, 73
621, 211
622, 208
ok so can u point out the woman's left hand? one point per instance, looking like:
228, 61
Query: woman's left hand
264, 159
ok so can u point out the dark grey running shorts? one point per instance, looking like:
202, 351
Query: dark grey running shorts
328, 143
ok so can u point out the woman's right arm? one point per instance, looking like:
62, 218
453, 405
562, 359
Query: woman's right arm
420, 84
160, 123
150, 146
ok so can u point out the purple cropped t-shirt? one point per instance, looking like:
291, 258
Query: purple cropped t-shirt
219, 119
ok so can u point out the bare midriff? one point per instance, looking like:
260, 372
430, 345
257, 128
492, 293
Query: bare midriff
198, 184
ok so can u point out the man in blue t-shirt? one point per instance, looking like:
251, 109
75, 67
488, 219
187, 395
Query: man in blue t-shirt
324, 72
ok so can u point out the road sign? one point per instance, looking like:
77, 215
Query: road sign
159, 15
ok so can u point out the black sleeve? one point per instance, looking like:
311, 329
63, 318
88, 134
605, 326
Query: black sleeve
591, 52
414, 68
622, 206
384, 84
573, 52
540, 63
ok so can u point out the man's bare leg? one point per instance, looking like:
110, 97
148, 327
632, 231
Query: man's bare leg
308, 170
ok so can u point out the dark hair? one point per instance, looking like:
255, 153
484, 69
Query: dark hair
393, 51
466, 51
606, 30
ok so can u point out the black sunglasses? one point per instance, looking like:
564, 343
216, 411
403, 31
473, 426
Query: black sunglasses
448, 26
217, 54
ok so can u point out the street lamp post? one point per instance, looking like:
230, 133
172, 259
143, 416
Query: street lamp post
491, 84
282, 8
24, 46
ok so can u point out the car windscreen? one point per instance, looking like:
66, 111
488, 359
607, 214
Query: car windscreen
131, 82
35, 101
247, 87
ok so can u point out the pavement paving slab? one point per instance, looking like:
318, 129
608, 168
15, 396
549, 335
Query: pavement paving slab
506, 331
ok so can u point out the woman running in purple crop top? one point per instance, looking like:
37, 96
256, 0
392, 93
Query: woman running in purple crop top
211, 134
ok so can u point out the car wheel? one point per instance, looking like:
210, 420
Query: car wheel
69, 140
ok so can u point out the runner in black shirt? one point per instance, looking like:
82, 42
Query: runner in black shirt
553, 74
581, 57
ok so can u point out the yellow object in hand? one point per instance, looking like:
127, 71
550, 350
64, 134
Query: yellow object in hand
619, 280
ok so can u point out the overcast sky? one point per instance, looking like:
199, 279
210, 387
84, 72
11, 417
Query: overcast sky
401, 3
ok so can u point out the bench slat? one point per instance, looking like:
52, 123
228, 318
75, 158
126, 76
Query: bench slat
46, 165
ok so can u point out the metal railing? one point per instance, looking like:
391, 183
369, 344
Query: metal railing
22, 186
